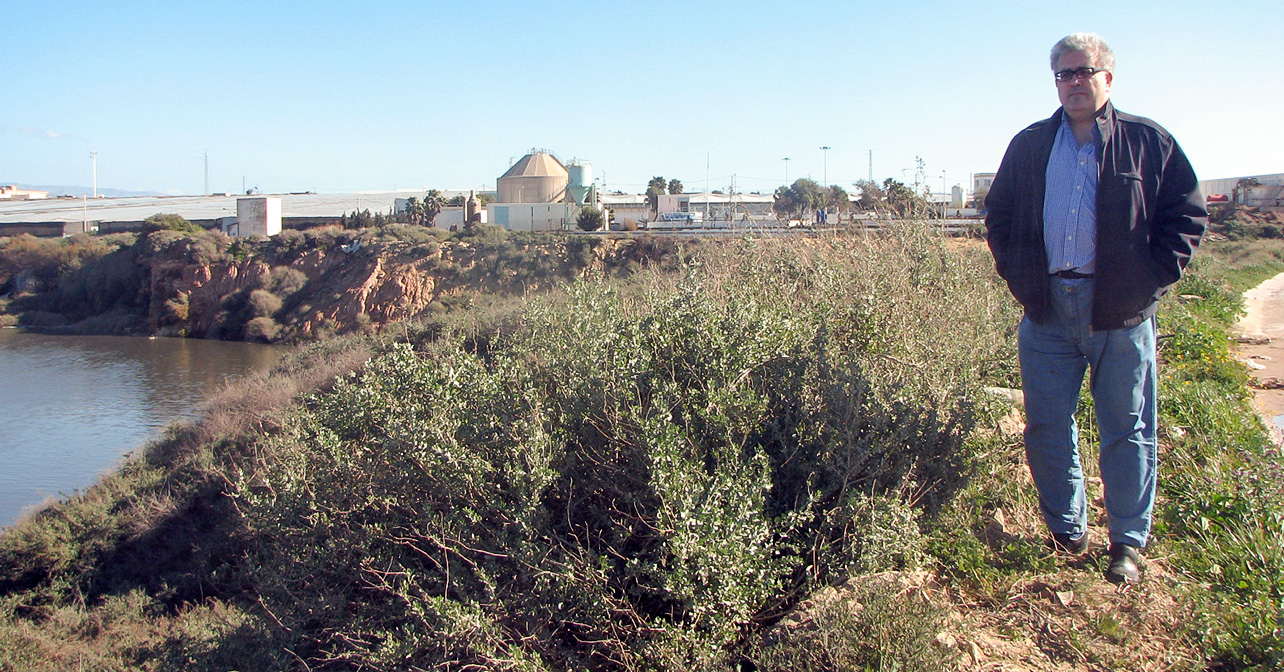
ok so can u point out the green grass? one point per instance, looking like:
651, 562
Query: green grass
1223, 494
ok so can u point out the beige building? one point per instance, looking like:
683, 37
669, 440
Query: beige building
537, 194
539, 177
11, 192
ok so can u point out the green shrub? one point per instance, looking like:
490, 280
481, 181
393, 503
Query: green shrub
590, 219
114, 281
412, 234
169, 222
880, 534
629, 476
284, 280
34, 264
263, 303
262, 329
878, 626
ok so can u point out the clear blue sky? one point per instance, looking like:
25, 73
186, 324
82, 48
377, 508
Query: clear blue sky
346, 96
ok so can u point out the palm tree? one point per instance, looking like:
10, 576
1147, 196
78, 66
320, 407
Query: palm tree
414, 211
654, 189
432, 205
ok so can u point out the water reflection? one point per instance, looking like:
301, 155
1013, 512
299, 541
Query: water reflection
74, 405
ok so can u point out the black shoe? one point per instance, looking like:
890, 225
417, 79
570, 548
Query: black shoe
1067, 544
1124, 563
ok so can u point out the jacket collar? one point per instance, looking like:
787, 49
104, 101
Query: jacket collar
1106, 120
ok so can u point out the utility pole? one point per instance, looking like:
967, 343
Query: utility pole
825, 153
871, 165
786, 160
94, 156
707, 159
207, 172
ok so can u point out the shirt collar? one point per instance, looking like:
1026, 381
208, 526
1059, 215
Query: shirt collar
1096, 130
1105, 120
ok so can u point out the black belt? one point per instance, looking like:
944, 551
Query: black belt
1072, 275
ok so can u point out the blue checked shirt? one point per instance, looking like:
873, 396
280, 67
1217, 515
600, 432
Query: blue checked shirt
1070, 203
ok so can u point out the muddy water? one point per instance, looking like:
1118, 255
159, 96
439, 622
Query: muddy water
73, 406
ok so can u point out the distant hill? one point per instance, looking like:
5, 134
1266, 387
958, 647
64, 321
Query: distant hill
59, 190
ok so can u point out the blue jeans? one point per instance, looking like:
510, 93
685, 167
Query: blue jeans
1054, 356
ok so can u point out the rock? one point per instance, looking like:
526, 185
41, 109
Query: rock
1268, 383
1012, 395
1012, 424
996, 532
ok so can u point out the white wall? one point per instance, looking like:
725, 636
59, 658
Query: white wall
258, 216
533, 216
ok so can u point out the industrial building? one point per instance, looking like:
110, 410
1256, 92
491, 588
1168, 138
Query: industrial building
67, 216
540, 193
539, 177
1262, 191
11, 192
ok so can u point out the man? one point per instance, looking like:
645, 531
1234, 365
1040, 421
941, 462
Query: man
1093, 215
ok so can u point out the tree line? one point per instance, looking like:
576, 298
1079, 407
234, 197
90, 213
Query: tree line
807, 199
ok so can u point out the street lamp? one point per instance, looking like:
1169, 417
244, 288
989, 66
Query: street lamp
825, 151
94, 157
786, 160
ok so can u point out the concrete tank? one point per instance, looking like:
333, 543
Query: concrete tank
537, 178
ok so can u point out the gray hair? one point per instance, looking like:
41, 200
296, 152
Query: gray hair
1099, 53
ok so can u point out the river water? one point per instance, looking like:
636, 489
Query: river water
73, 406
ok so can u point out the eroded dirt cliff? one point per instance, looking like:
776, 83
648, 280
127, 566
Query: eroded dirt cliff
309, 285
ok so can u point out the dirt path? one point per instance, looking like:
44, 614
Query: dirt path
1261, 336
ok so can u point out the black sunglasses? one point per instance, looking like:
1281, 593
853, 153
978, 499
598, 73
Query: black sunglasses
1071, 74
